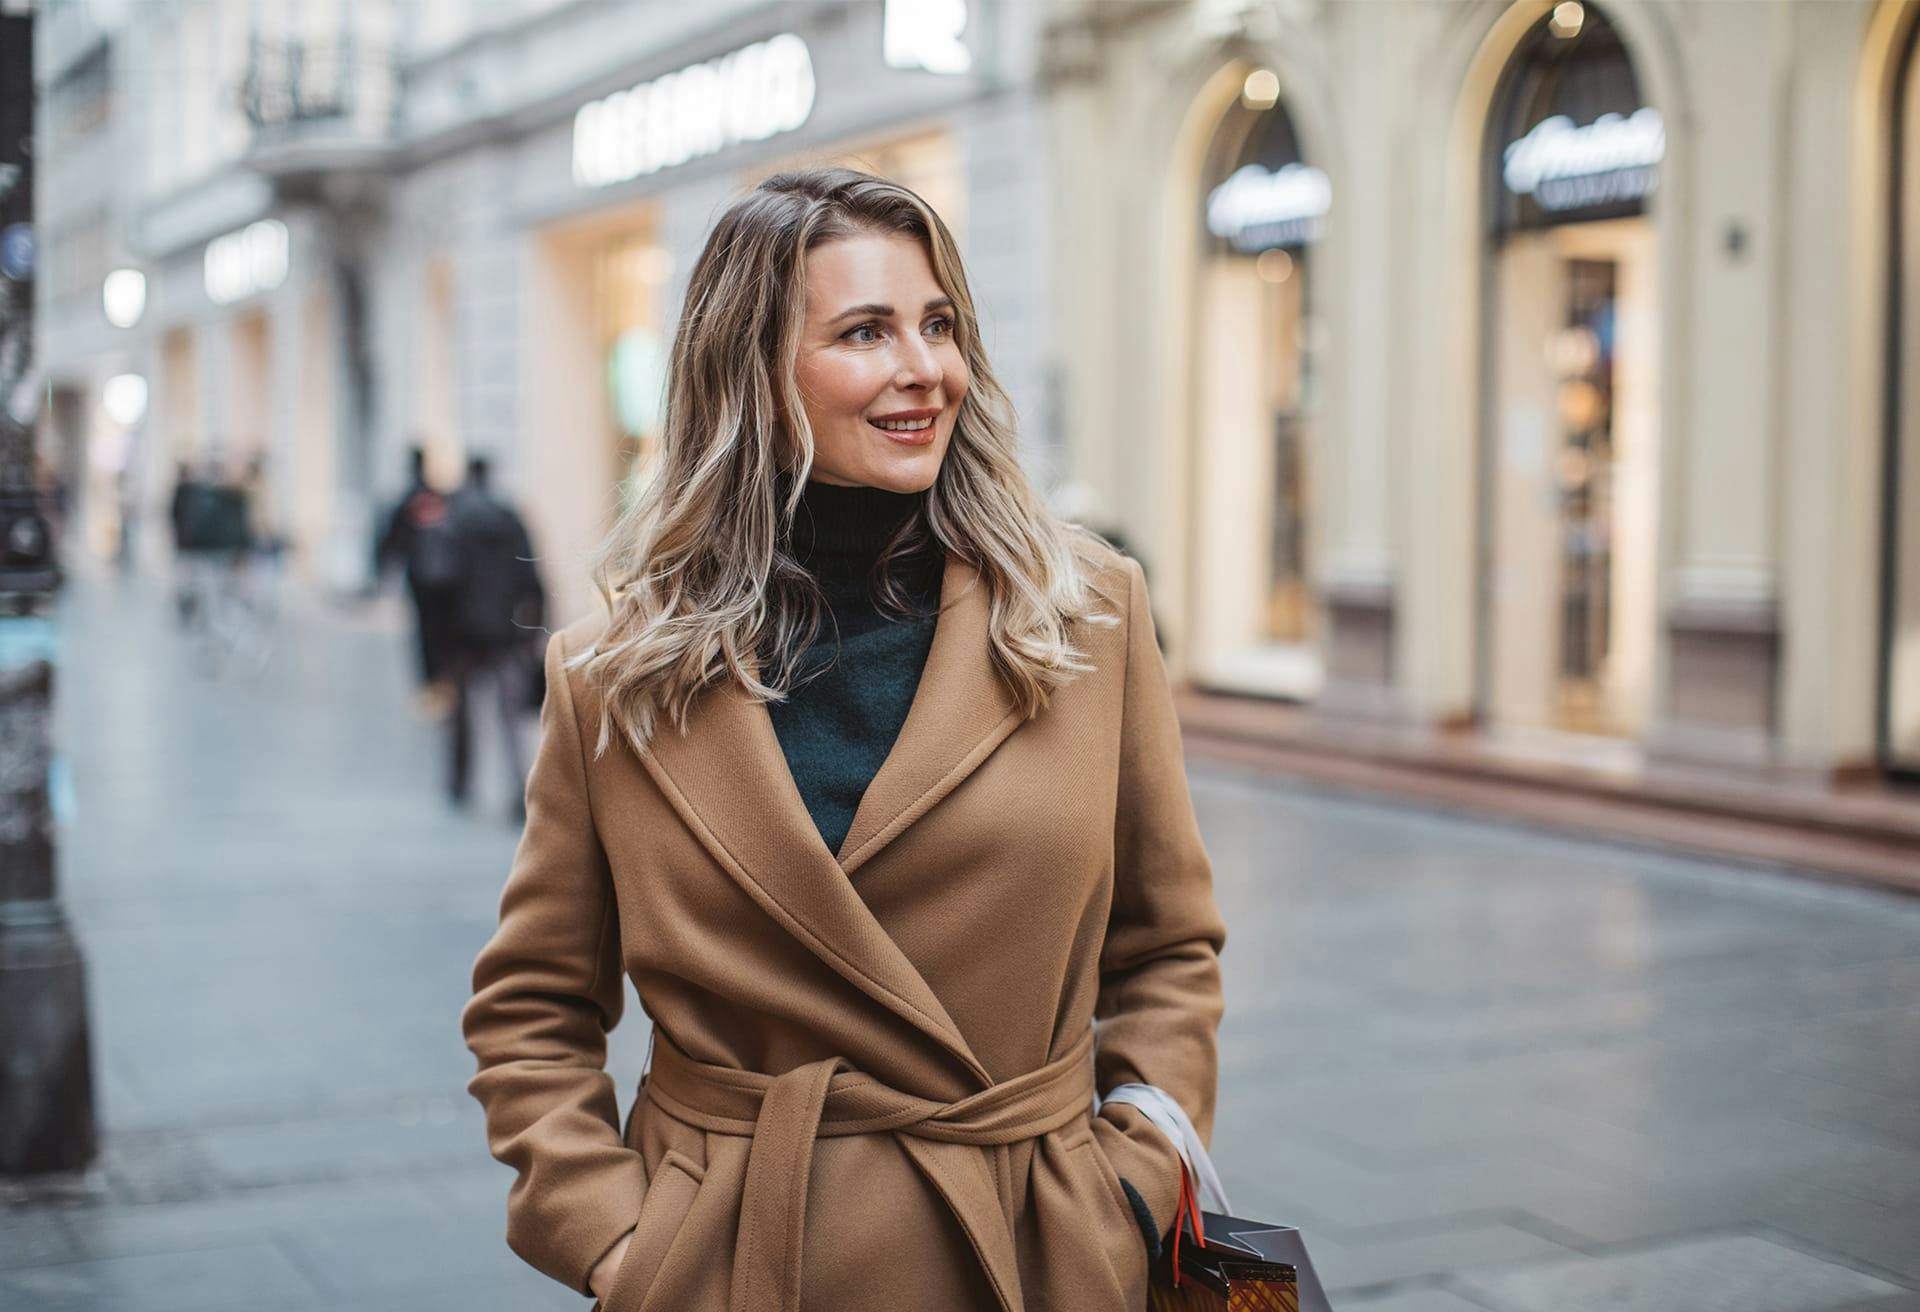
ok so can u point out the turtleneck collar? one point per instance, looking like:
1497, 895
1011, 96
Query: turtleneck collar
841, 531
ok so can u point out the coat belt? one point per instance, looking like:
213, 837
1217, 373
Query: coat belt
784, 1114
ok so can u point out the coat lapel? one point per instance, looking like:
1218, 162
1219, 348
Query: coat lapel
729, 781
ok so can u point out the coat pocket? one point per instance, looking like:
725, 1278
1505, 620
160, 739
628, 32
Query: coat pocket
1119, 1231
669, 1195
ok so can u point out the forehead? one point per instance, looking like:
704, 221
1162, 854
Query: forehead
891, 268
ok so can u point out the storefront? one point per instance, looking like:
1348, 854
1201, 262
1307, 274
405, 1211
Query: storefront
245, 363
1256, 622
1569, 490
216, 352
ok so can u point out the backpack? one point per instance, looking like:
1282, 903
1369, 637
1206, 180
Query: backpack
435, 560
500, 594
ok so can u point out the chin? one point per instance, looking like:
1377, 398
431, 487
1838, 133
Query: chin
900, 471
917, 478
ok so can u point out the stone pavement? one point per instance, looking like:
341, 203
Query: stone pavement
1481, 1067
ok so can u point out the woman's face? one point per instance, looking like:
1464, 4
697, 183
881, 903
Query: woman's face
878, 368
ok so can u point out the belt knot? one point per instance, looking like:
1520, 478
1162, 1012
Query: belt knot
784, 1114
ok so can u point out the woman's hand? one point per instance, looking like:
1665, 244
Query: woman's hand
601, 1277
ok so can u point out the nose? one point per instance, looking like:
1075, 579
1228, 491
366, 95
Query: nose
916, 367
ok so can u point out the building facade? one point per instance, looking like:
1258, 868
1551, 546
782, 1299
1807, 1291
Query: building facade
1536, 370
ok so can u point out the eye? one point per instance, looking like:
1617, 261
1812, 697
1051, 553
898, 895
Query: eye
943, 325
869, 326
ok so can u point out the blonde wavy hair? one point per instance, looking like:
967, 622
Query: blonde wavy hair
697, 573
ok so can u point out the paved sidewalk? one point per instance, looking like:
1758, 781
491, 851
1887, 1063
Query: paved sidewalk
1481, 1067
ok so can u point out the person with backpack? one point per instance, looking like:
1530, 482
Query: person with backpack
419, 536
499, 614
211, 536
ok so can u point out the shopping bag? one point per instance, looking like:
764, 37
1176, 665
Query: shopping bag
1240, 1266
1218, 1262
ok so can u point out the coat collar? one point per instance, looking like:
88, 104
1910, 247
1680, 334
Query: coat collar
729, 780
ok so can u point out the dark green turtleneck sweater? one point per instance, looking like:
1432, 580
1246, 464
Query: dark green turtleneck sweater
837, 727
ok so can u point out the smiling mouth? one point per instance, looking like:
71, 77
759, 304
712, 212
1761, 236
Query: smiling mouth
909, 427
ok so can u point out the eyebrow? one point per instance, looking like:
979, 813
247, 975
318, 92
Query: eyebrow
886, 311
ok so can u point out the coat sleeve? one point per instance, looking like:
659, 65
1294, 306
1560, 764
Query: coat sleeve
547, 988
1160, 999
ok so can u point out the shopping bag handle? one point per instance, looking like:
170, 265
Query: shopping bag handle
1197, 1175
1159, 1107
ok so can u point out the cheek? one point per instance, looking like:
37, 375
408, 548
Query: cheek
953, 365
835, 388
958, 379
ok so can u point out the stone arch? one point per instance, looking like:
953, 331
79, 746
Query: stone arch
1437, 501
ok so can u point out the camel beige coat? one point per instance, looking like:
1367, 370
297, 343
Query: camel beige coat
873, 1074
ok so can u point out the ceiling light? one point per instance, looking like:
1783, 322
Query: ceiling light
1569, 16
1261, 90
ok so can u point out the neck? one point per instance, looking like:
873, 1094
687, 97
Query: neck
842, 530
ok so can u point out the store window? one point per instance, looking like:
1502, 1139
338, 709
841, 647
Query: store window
631, 273
595, 370
1900, 701
1570, 489
180, 417
1256, 621
250, 417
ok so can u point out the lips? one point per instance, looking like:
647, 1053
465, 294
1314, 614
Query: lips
917, 429
907, 436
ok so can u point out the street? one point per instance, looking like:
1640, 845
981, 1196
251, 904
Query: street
1481, 1067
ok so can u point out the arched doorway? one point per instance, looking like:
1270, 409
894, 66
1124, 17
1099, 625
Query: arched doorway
1899, 730
1569, 472
1256, 621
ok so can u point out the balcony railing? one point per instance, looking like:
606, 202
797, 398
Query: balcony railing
316, 104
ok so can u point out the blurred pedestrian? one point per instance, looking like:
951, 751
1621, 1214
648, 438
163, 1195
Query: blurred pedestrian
498, 616
419, 537
127, 492
179, 510
211, 536
177, 503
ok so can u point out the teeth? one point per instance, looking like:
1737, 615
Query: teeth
902, 425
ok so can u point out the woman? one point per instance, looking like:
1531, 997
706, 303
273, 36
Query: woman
872, 785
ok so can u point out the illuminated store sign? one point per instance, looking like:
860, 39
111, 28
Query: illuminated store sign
1611, 159
247, 262
1258, 208
758, 91
927, 34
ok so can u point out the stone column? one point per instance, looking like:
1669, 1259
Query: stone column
1722, 614
1358, 578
